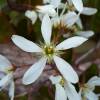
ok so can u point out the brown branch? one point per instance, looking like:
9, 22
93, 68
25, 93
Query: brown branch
19, 7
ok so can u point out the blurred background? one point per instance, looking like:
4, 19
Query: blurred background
13, 21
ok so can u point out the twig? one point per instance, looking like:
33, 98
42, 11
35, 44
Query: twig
87, 54
19, 7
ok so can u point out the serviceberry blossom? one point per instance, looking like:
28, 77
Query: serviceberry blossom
64, 89
48, 52
6, 78
86, 90
43, 9
65, 19
74, 5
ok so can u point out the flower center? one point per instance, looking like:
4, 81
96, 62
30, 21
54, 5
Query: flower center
62, 82
49, 50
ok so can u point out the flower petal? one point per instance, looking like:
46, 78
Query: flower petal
66, 70
60, 93
55, 3
91, 96
32, 74
46, 29
79, 23
55, 79
4, 64
25, 44
71, 43
94, 81
89, 11
46, 9
78, 4
11, 90
85, 34
70, 18
31, 15
5, 80
71, 92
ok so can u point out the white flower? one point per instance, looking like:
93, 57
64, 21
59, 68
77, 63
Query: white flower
32, 15
6, 79
48, 52
66, 20
73, 5
78, 4
86, 90
64, 89
42, 10
46, 9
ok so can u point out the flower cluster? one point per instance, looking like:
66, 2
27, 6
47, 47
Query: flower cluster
54, 14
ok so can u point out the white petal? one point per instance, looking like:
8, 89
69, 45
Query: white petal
60, 93
46, 29
78, 4
55, 3
31, 15
40, 16
91, 96
79, 23
55, 21
25, 44
70, 18
4, 64
46, 9
55, 79
94, 81
71, 92
5, 80
71, 43
80, 93
85, 34
89, 11
11, 90
33, 73
66, 70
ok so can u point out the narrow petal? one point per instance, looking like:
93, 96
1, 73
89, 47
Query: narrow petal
25, 44
11, 90
89, 11
4, 64
91, 96
46, 9
60, 93
71, 43
55, 79
78, 4
66, 70
31, 15
5, 80
71, 92
33, 73
94, 81
46, 29
79, 23
55, 3
70, 18
85, 34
